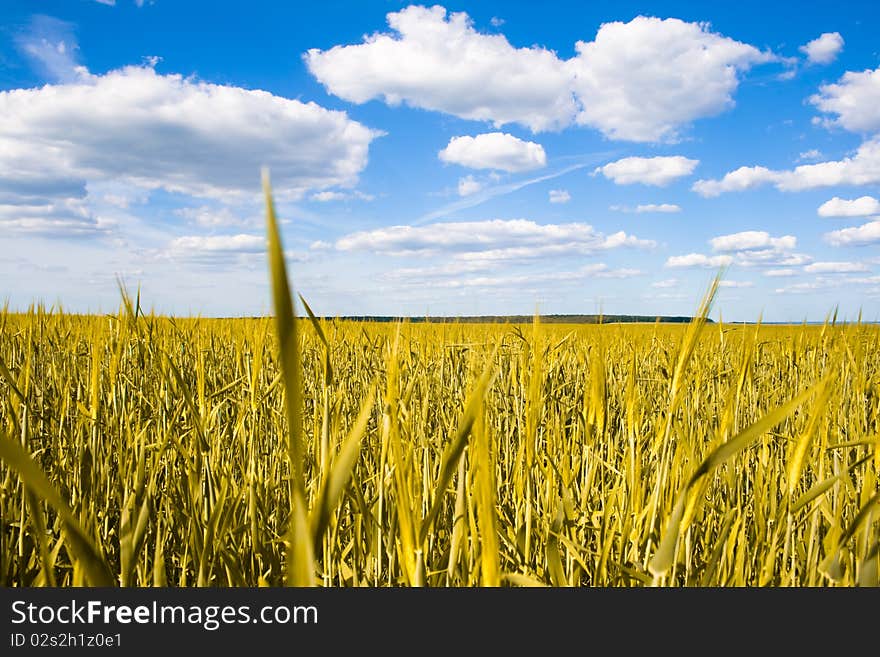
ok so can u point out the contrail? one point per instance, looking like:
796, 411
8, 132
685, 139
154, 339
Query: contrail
500, 190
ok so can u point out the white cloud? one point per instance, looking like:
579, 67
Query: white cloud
824, 48
559, 196
225, 250
50, 45
328, 196
665, 296
217, 244
827, 283
657, 207
448, 269
736, 284
868, 233
862, 280
835, 267
647, 207
772, 257
152, 131
643, 80
491, 257
780, 273
812, 154
695, 260
768, 257
863, 168
735, 181
854, 99
451, 277
55, 217
750, 240
800, 288
791, 68
620, 238
117, 200
658, 171
496, 22
439, 62
755, 248
490, 192
494, 150
859, 207
209, 216
666, 283
468, 185
638, 81
496, 240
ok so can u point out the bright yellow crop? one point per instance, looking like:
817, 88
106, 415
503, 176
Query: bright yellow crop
142, 450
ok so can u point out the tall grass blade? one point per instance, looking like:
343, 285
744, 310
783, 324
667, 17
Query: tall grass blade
301, 560
81, 545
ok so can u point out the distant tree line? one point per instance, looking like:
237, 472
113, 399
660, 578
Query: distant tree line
525, 319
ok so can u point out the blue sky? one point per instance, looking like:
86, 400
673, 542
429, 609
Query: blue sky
456, 159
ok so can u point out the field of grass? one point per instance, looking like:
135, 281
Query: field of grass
145, 450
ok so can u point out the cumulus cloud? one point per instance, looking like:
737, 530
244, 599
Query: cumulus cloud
643, 80
151, 131
751, 248
771, 258
657, 207
194, 244
868, 233
854, 99
494, 150
658, 171
698, 260
750, 240
863, 168
489, 241
735, 181
780, 273
824, 48
859, 207
210, 217
835, 267
468, 185
735, 284
638, 81
439, 62
559, 196
755, 248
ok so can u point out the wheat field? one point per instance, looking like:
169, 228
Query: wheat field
144, 450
